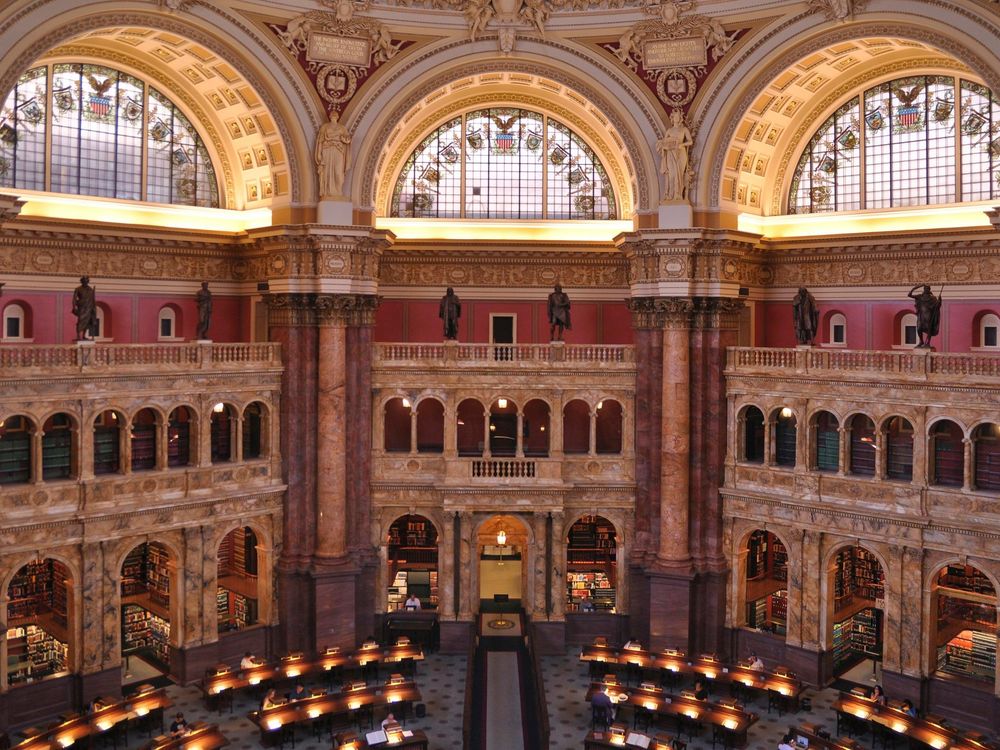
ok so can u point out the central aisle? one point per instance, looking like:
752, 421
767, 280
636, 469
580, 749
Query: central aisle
503, 702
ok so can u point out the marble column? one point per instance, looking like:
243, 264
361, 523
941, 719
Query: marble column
911, 642
558, 566
539, 609
770, 425
84, 438
331, 449
450, 430
843, 450
592, 442
161, 442
266, 611
892, 633
813, 574
968, 480
92, 597
465, 601
793, 626
446, 568
413, 430
198, 586
36, 455
675, 427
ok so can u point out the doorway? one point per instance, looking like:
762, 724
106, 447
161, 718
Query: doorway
501, 543
502, 336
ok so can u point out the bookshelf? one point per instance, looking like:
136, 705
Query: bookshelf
106, 449
966, 622
949, 455
143, 447
591, 555
221, 435
145, 633
57, 448
857, 637
178, 440
413, 557
767, 579
862, 447
423, 583
237, 592
971, 653
857, 576
15, 451
784, 441
34, 653
827, 443
39, 589
899, 450
593, 588
987, 458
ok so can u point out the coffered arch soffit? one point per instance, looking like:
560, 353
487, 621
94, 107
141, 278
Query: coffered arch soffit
586, 93
802, 71
250, 104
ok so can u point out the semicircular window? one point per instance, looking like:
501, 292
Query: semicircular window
503, 163
895, 145
109, 134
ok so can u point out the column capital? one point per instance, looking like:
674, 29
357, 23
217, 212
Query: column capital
310, 309
661, 312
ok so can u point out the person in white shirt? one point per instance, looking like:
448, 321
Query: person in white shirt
389, 719
412, 602
756, 663
247, 662
787, 743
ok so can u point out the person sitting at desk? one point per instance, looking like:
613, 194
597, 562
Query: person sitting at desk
412, 603
877, 695
298, 693
270, 700
389, 719
95, 705
602, 703
248, 662
632, 645
369, 642
756, 663
700, 691
179, 725
908, 708
787, 742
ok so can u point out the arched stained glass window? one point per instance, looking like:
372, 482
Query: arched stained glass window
503, 163
110, 135
895, 145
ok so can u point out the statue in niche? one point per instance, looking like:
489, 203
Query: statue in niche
85, 310
674, 160
333, 154
558, 309
450, 310
204, 301
928, 314
806, 317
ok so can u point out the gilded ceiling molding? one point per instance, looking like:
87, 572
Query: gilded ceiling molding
791, 54
102, 55
809, 123
372, 172
415, 133
171, 22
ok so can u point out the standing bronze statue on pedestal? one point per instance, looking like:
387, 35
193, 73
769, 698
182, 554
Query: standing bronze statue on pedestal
85, 310
204, 300
806, 317
558, 314
928, 314
450, 310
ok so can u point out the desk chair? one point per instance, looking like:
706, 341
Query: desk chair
364, 716
882, 735
369, 671
669, 679
642, 718
777, 701
851, 725
691, 727
678, 745
599, 718
286, 735
723, 736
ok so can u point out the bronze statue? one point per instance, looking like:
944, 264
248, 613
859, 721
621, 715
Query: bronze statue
928, 314
558, 313
204, 299
450, 310
806, 316
85, 310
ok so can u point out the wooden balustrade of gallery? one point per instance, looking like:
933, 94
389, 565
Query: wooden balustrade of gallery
914, 364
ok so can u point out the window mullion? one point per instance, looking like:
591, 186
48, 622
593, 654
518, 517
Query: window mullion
545, 166
461, 182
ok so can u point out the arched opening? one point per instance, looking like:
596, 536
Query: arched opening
766, 583
255, 431
837, 330
59, 447
947, 454
503, 428
862, 459
753, 435
966, 635
179, 436
827, 441
591, 571
16, 322
785, 433
856, 583
223, 425
144, 440
38, 615
501, 545
430, 426
413, 564
167, 324
536, 428
906, 330
15, 450
107, 442
145, 598
470, 426
986, 457
104, 328
608, 427
898, 438
576, 427
397, 425
237, 596
987, 333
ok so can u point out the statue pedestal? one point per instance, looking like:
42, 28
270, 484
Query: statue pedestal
85, 342
336, 212
675, 215
203, 341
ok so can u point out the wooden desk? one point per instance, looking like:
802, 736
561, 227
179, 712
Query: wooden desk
201, 736
353, 741
810, 732
106, 719
602, 740
889, 718
421, 627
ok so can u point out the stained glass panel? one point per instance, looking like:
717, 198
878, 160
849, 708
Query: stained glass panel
503, 163
22, 133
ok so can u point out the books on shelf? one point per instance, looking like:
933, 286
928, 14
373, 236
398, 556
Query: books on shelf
971, 653
33, 653
592, 589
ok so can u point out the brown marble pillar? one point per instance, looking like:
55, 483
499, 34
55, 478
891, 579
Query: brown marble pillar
331, 426
466, 542
558, 566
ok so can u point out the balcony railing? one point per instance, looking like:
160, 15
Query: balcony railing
180, 356
913, 364
503, 355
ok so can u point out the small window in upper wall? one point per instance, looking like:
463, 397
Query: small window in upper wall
13, 323
167, 324
838, 330
989, 328
908, 330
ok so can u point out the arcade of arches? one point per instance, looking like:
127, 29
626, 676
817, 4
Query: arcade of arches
326, 441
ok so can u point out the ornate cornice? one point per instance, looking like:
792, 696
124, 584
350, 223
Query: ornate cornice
692, 258
310, 310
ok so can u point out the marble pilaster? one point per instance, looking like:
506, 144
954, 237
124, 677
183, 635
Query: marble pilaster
446, 568
539, 609
557, 543
331, 458
464, 534
813, 573
675, 429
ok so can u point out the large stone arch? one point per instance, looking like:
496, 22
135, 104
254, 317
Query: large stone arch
591, 85
951, 30
33, 31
